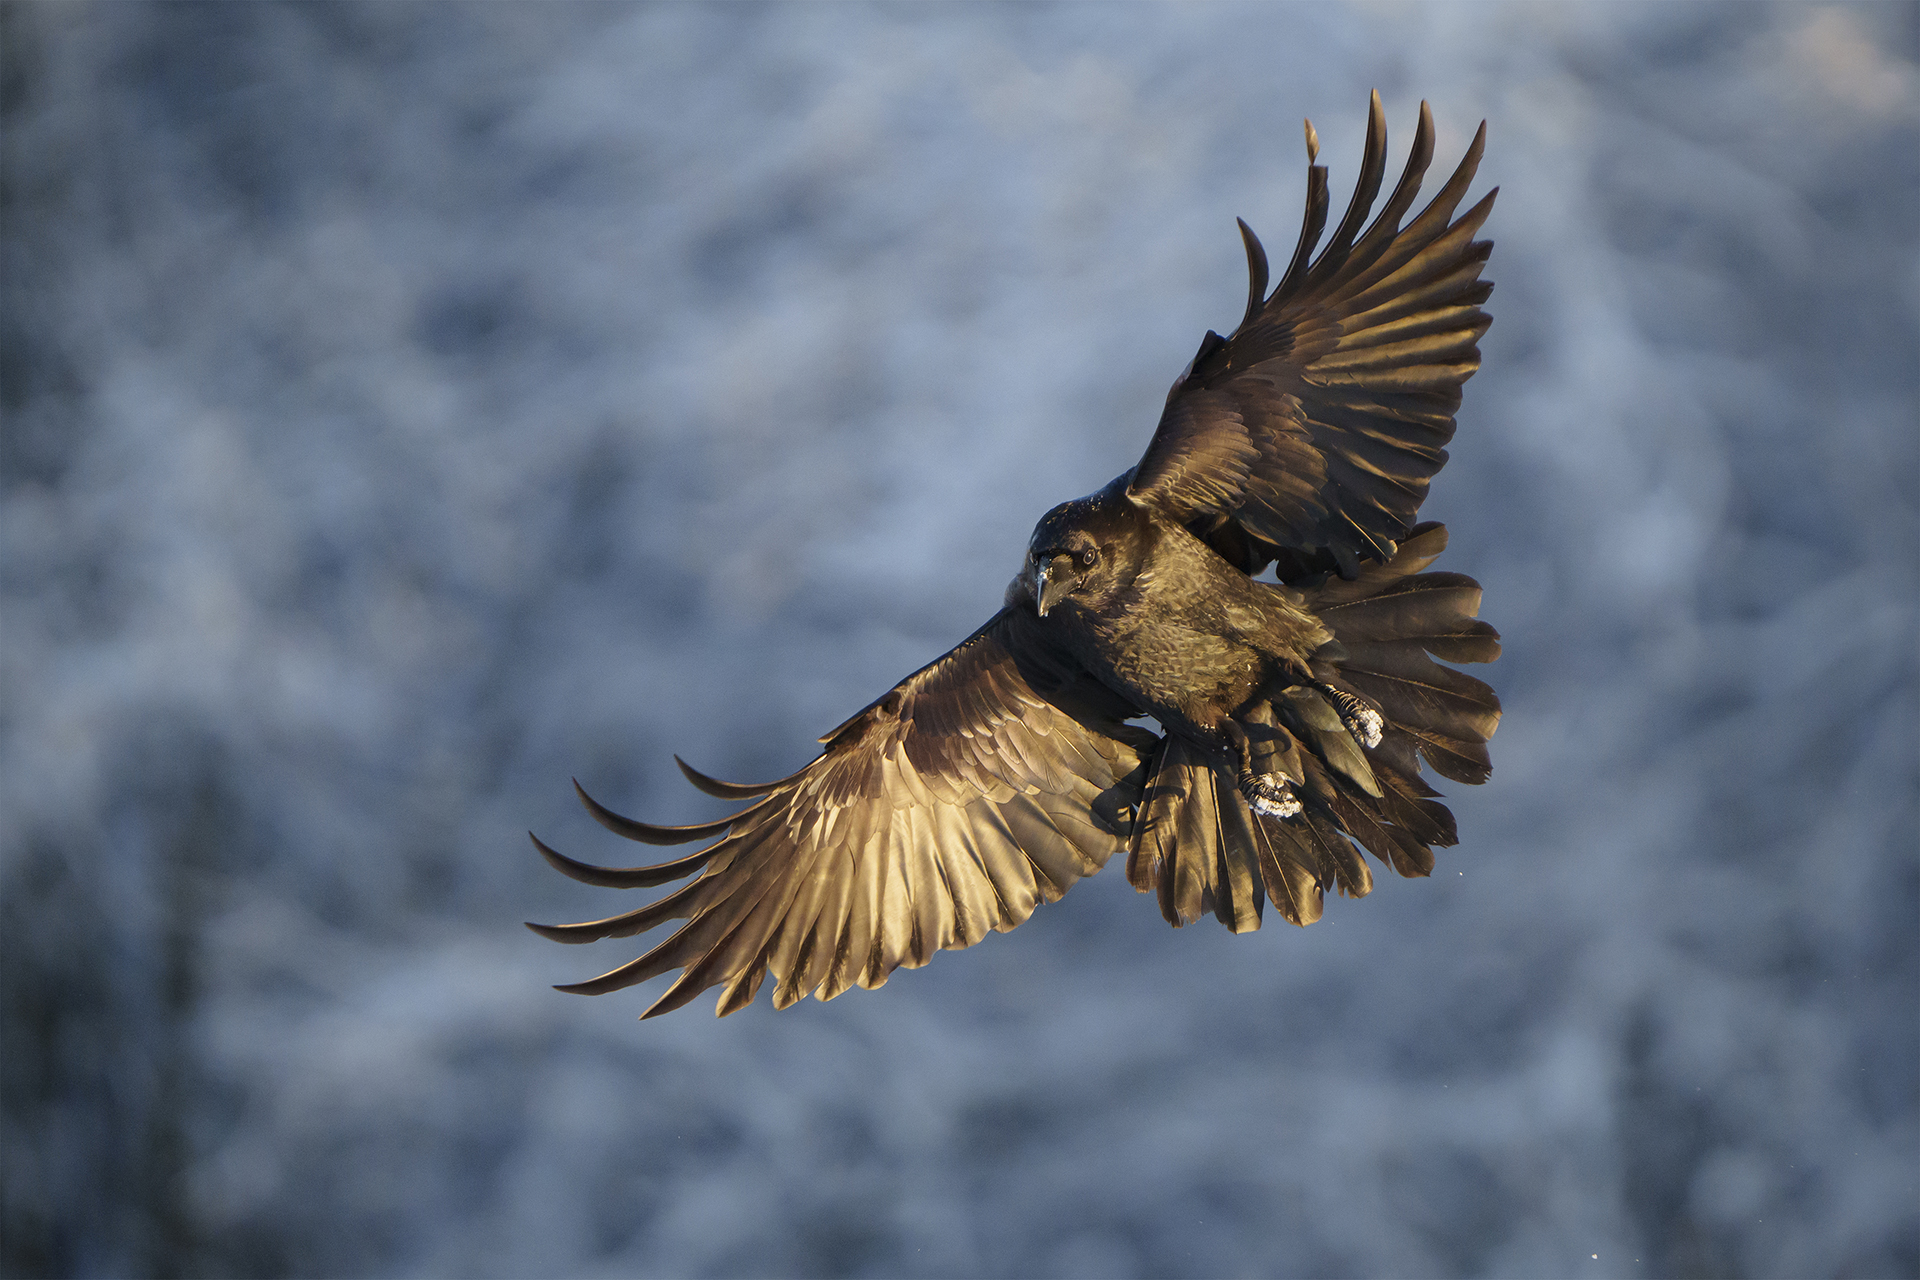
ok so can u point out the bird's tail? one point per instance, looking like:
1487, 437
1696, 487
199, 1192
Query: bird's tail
1341, 755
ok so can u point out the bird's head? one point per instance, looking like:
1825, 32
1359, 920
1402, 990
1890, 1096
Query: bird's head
1085, 550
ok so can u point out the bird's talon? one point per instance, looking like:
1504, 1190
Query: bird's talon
1362, 721
1366, 727
1270, 795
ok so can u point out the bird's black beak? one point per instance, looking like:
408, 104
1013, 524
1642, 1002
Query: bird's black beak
1052, 581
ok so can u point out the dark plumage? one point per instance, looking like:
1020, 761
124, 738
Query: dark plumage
1297, 713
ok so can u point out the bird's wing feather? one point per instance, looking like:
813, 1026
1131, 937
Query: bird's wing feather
981, 785
1309, 437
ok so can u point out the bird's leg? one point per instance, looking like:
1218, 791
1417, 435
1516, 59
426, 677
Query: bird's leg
1362, 721
1266, 790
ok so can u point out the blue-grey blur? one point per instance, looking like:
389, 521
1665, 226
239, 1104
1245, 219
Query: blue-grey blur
410, 407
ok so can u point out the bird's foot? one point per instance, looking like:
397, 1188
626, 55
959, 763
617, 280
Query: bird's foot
1362, 721
1270, 795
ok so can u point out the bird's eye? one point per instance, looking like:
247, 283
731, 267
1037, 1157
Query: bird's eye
1088, 556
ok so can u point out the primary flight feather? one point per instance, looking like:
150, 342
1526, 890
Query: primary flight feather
1297, 713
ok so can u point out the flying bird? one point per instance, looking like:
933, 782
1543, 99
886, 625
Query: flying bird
1295, 712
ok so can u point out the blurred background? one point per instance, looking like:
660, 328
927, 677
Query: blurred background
409, 407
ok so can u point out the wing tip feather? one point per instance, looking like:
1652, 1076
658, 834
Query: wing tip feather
652, 833
723, 790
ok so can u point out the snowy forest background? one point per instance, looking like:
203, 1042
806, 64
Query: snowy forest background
410, 406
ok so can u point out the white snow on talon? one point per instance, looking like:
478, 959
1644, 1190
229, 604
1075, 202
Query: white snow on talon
1273, 798
1362, 721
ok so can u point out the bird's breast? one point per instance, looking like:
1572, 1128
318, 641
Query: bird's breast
1185, 674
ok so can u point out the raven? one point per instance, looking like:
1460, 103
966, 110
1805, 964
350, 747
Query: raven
1296, 712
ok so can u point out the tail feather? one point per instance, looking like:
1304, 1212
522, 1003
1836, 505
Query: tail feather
1239, 892
1393, 845
1422, 693
1292, 875
1185, 889
1170, 780
1193, 844
1392, 622
1336, 854
1200, 846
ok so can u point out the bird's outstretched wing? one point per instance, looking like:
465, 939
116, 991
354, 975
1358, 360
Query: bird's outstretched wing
1309, 436
981, 785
